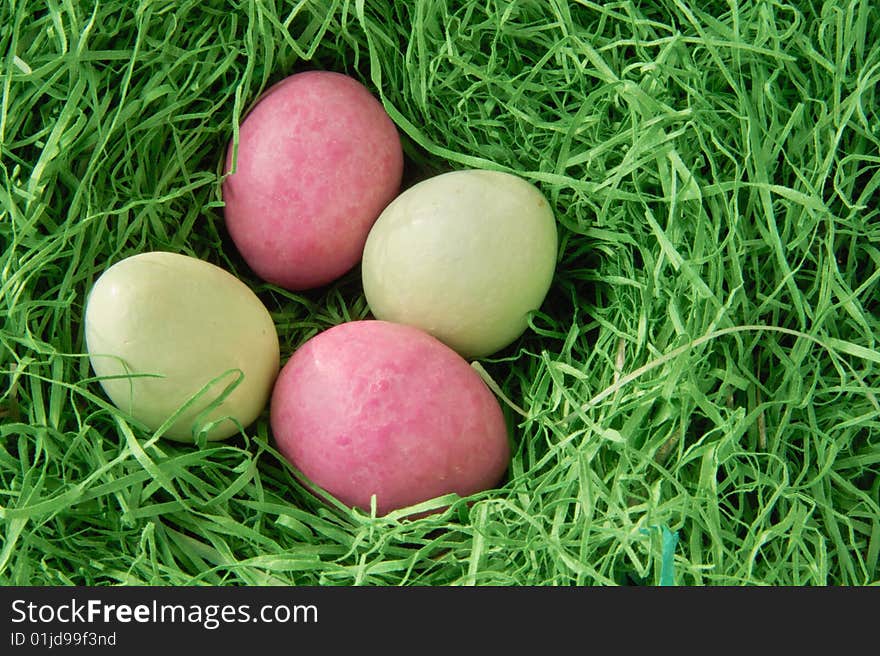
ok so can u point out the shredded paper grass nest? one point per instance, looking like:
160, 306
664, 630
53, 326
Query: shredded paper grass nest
696, 402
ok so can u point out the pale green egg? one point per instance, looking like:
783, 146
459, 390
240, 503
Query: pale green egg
162, 327
465, 256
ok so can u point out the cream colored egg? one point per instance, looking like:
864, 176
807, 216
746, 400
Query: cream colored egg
179, 324
465, 256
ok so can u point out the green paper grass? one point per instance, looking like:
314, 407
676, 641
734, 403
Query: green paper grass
695, 403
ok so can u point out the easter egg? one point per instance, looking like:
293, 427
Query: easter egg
465, 256
376, 408
318, 159
160, 327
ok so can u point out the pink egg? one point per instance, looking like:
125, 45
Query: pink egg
318, 161
371, 407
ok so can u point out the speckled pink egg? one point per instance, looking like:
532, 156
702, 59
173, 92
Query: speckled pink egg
372, 407
318, 160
